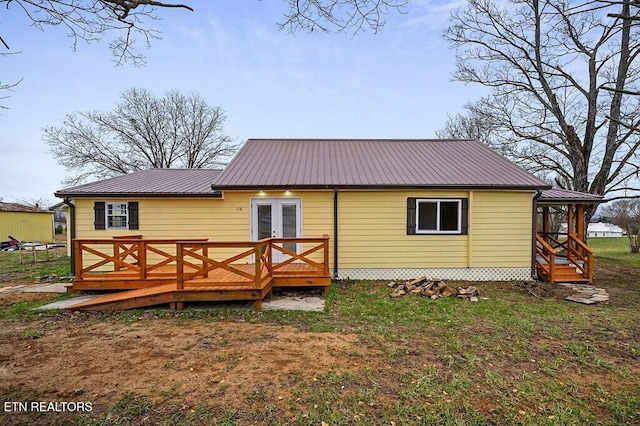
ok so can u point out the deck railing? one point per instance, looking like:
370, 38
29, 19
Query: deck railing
199, 260
125, 258
234, 263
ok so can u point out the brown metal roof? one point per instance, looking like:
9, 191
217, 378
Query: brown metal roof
20, 208
555, 196
152, 182
316, 163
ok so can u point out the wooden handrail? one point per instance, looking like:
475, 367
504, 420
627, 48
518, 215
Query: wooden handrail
587, 267
547, 253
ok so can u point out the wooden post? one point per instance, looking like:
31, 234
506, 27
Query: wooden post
77, 249
142, 259
179, 267
205, 253
570, 223
580, 223
116, 255
545, 223
325, 242
257, 254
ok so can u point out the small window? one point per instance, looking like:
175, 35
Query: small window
438, 216
117, 215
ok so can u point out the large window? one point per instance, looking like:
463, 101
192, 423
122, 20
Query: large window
437, 216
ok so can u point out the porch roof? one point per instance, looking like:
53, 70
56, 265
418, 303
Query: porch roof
557, 196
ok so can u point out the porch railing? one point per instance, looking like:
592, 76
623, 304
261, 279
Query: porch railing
233, 263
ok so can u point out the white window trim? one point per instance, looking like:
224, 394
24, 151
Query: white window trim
438, 201
106, 215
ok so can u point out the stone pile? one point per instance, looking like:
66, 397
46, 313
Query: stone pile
586, 294
432, 289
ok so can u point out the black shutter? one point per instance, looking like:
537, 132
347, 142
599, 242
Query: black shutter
133, 214
411, 216
464, 226
99, 215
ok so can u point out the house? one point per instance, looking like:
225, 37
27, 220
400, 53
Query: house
601, 229
392, 209
25, 223
59, 217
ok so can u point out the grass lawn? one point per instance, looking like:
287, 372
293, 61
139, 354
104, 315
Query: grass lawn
13, 270
511, 359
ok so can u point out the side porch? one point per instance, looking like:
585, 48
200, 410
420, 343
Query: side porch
160, 271
562, 254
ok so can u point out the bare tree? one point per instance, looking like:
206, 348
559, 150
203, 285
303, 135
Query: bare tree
549, 65
41, 203
338, 15
142, 132
626, 214
92, 20
472, 125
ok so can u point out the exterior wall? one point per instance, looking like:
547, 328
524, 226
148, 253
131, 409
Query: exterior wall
226, 219
373, 240
27, 226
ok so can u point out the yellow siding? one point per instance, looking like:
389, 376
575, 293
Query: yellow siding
27, 226
225, 219
373, 233
502, 229
372, 226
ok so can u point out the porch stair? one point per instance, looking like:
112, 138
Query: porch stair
564, 271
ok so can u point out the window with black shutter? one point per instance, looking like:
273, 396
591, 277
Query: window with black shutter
116, 215
437, 216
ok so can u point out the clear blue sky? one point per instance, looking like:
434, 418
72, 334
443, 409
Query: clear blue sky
395, 84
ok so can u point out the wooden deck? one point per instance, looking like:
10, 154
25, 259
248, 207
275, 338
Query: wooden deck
169, 271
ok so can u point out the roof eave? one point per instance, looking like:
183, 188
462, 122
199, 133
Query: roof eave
216, 194
381, 187
565, 201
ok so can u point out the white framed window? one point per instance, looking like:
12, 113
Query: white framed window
117, 215
438, 216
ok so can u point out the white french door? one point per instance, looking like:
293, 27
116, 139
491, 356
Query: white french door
276, 218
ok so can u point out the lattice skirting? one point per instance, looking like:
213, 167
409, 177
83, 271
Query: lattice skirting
453, 274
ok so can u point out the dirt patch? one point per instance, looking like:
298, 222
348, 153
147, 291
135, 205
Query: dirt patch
163, 359
10, 298
541, 289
